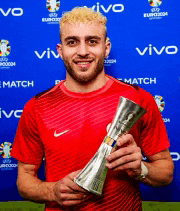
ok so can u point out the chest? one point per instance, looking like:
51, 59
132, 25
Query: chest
76, 128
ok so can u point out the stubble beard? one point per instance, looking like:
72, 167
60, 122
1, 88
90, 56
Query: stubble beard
86, 79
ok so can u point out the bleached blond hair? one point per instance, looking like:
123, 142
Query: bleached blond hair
83, 15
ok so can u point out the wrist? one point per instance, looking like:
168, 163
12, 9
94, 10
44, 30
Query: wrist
144, 172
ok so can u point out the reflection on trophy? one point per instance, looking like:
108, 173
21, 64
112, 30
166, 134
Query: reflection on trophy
93, 175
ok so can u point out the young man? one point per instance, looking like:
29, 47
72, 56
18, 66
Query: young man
67, 124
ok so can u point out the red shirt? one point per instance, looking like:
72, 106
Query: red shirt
68, 128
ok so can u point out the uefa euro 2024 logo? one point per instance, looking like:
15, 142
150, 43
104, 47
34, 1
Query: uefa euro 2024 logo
155, 3
4, 48
53, 5
155, 10
160, 102
5, 150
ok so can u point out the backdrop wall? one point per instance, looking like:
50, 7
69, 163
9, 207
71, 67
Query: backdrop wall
145, 38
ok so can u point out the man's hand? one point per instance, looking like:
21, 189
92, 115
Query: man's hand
68, 193
127, 156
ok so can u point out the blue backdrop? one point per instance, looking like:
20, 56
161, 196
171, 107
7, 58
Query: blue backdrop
145, 38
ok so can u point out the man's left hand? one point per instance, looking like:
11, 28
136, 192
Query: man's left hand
127, 156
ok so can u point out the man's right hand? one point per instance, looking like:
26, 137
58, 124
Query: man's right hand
68, 193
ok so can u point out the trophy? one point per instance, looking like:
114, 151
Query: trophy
92, 177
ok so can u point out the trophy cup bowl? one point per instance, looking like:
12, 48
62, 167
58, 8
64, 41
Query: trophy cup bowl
93, 175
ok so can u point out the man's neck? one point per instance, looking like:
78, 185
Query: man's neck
96, 84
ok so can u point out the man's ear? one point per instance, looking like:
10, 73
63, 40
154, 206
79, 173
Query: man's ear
59, 49
108, 47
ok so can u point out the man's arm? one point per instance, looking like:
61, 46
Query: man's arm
65, 191
128, 157
160, 169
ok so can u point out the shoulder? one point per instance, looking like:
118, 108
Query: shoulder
123, 85
49, 92
135, 93
39, 99
126, 90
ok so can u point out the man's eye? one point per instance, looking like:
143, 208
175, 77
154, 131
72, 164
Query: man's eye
71, 42
93, 41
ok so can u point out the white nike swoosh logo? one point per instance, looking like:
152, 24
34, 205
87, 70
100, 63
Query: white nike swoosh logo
59, 134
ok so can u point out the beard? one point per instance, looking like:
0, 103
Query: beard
86, 78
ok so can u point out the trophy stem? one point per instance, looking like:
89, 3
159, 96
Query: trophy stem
93, 175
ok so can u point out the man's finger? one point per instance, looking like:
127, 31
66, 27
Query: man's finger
122, 152
131, 165
124, 159
126, 140
71, 202
71, 184
74, 196
74, 187
73, 174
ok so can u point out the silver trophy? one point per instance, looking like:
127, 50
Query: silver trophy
93, 175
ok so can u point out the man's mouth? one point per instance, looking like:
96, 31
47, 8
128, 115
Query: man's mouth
83, 64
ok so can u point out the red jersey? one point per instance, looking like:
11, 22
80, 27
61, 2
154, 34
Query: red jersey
67, 129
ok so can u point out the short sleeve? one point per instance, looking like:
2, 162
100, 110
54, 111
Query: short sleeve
27, 146
153, 138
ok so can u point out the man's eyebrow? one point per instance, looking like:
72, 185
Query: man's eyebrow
87, 37
70, 37
93, 37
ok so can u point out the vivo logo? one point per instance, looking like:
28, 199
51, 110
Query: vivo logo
47, 54
175, 156
13, 11
114, 7
153, 50
12, 113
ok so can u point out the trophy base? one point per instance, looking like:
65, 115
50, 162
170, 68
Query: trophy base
97, 184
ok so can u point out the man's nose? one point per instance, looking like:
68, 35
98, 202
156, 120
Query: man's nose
82, 50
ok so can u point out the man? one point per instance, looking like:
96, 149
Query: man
67, 124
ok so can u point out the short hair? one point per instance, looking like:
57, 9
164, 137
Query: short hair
83, 15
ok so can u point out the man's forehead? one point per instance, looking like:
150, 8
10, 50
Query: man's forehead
82, 29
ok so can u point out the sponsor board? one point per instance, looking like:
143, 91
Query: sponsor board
135, 81
175, 156
16, 84
138, 81
5, 50
52, 7
161, 104
153, 50
47, 54
5, 153
117, 8
57, 82
109, 61
11, 11
155, 12
10, 113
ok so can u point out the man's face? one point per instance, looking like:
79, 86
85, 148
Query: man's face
83, 50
